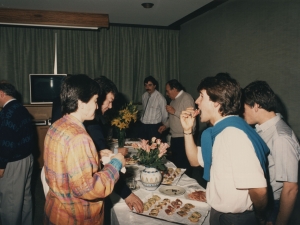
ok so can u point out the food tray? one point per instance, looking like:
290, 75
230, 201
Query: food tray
200, 207
173, 177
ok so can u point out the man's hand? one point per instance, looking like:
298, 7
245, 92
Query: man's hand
170, 109
162, 129
135, 202
187, 118
1, 172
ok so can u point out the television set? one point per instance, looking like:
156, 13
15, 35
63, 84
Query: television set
44, 88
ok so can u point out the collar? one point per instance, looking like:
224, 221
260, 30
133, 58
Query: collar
178, 95
269, 123
74, 120
223, 119
8, 102
154, 93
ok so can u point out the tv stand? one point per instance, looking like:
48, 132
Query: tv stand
41, 115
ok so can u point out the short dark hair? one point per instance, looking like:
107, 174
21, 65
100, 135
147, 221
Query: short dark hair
106, 86
175, 84
151, 79
8, 89
224, 90
74, 88
260, 92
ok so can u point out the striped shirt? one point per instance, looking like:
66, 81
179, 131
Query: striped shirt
77, 187
154, 109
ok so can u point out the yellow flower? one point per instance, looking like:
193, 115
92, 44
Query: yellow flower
125, 116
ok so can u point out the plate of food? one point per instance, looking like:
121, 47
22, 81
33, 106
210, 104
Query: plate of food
130, 161
172, 176
174, 209
196, 195
171, 190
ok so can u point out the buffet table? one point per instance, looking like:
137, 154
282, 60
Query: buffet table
121, 214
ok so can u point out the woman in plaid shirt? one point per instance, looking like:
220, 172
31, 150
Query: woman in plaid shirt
77, 187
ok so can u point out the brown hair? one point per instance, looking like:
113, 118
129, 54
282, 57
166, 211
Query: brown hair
224, 90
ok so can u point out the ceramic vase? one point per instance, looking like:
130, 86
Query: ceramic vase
151, 178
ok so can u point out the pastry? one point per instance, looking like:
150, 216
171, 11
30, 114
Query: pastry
196, 214
193, 219
156, 197
182, 213
189, 205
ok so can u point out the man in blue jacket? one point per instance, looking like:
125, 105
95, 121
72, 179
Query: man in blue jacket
16, 160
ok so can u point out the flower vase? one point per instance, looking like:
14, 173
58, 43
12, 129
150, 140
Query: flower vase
151, 178
121, 138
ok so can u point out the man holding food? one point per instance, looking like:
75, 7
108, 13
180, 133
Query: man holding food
234, 157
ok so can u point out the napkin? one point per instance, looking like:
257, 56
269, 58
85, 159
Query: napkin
106, 159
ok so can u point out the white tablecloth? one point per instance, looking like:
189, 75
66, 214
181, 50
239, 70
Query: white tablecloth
121, 215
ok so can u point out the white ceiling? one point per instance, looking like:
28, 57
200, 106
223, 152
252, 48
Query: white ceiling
163, 13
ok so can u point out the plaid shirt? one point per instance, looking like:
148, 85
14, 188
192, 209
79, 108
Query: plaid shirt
77, 187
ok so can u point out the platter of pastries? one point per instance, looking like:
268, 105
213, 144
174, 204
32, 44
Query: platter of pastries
174, 209
130, 161
172, 176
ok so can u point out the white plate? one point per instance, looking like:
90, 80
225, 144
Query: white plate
171, 190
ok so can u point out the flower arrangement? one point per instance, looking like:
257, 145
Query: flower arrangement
124, 117
152, 154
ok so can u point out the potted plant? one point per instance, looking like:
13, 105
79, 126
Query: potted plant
151, 154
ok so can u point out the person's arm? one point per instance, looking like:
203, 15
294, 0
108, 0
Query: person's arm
81, 165
94, 129
287, 201
286, 160
187, 122
135, 202
164, 113
259, 198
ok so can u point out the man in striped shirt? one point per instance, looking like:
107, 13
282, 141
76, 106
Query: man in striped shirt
154, 110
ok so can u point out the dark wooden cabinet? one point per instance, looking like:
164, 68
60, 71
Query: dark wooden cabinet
41, 116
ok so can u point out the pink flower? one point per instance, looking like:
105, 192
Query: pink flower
163, 147
153, 146
148, 148
144, 144
158, 141
153, 139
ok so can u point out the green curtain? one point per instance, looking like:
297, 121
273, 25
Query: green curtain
125, 55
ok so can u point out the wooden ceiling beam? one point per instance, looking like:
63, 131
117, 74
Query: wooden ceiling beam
53, 18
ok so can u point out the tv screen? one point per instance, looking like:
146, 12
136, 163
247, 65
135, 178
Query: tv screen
45, 87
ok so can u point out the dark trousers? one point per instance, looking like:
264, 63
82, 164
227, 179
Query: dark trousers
244, 218
178, 156
147, 131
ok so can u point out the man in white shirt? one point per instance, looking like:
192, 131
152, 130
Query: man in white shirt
260, 107
154, 110
233, 155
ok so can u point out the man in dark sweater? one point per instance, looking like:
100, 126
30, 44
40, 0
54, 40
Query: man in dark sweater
16, 160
